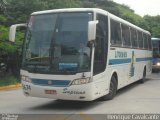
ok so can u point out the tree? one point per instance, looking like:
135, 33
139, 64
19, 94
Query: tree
19, 10
153, 24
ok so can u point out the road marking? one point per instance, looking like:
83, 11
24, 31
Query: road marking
85, 116
63, 118
82, 116
10, 86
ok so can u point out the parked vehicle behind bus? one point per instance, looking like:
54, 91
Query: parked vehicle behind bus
82, 54
156, 54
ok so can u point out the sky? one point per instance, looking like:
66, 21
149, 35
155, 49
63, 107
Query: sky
143, 7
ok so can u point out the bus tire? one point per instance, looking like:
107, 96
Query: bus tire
112, 89
144, 76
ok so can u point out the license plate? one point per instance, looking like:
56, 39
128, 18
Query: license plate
50, 92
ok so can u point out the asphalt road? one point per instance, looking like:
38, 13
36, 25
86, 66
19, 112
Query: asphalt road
135, 98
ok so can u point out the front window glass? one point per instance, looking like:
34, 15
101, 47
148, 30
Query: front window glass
57, 43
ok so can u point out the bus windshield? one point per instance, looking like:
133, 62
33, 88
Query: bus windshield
57, 43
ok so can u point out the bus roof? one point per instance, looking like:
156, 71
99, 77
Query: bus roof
98, 10
67, 10
155, 38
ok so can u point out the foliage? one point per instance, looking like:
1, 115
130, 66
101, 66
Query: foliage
19, 10
122, 11
5, 47
9, 80
153, 24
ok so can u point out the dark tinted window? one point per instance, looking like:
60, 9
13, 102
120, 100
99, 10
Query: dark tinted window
126, 36
149, 42
140, 39
134, 38
145, 41
115, 33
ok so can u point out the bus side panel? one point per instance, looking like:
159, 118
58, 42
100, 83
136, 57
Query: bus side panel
129, 64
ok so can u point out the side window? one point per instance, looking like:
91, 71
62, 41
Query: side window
145, 41
115, 33
140, 39
149, 42
134, 38
126, 36
101, 45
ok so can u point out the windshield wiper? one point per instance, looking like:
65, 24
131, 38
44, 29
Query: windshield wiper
69, 70
34, 67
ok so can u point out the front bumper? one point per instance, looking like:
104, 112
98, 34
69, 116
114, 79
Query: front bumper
84, 92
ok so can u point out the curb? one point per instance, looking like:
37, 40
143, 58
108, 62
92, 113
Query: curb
10, 86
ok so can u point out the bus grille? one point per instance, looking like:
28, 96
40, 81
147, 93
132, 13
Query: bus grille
54, 83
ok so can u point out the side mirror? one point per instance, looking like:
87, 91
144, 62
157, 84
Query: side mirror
12, 31
92, 30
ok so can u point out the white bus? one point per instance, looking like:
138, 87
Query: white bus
82, 54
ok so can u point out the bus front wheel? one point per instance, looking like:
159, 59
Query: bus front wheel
112, 89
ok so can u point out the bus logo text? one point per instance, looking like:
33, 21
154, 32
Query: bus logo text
120, 54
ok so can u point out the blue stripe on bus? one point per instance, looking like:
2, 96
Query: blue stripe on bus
55, 83
127, 60
143, 59
119, 61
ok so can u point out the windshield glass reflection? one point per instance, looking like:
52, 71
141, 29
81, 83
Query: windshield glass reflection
57, 43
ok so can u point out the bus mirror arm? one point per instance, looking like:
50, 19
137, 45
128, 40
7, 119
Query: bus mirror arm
91, 43
92, 30
92, 59
12, 31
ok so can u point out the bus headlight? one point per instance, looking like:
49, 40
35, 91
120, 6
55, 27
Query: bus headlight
81, 81
25, 78
158, 64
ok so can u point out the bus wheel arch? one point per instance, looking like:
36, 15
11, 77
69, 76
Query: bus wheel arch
143, 75
116, 76
112, 88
